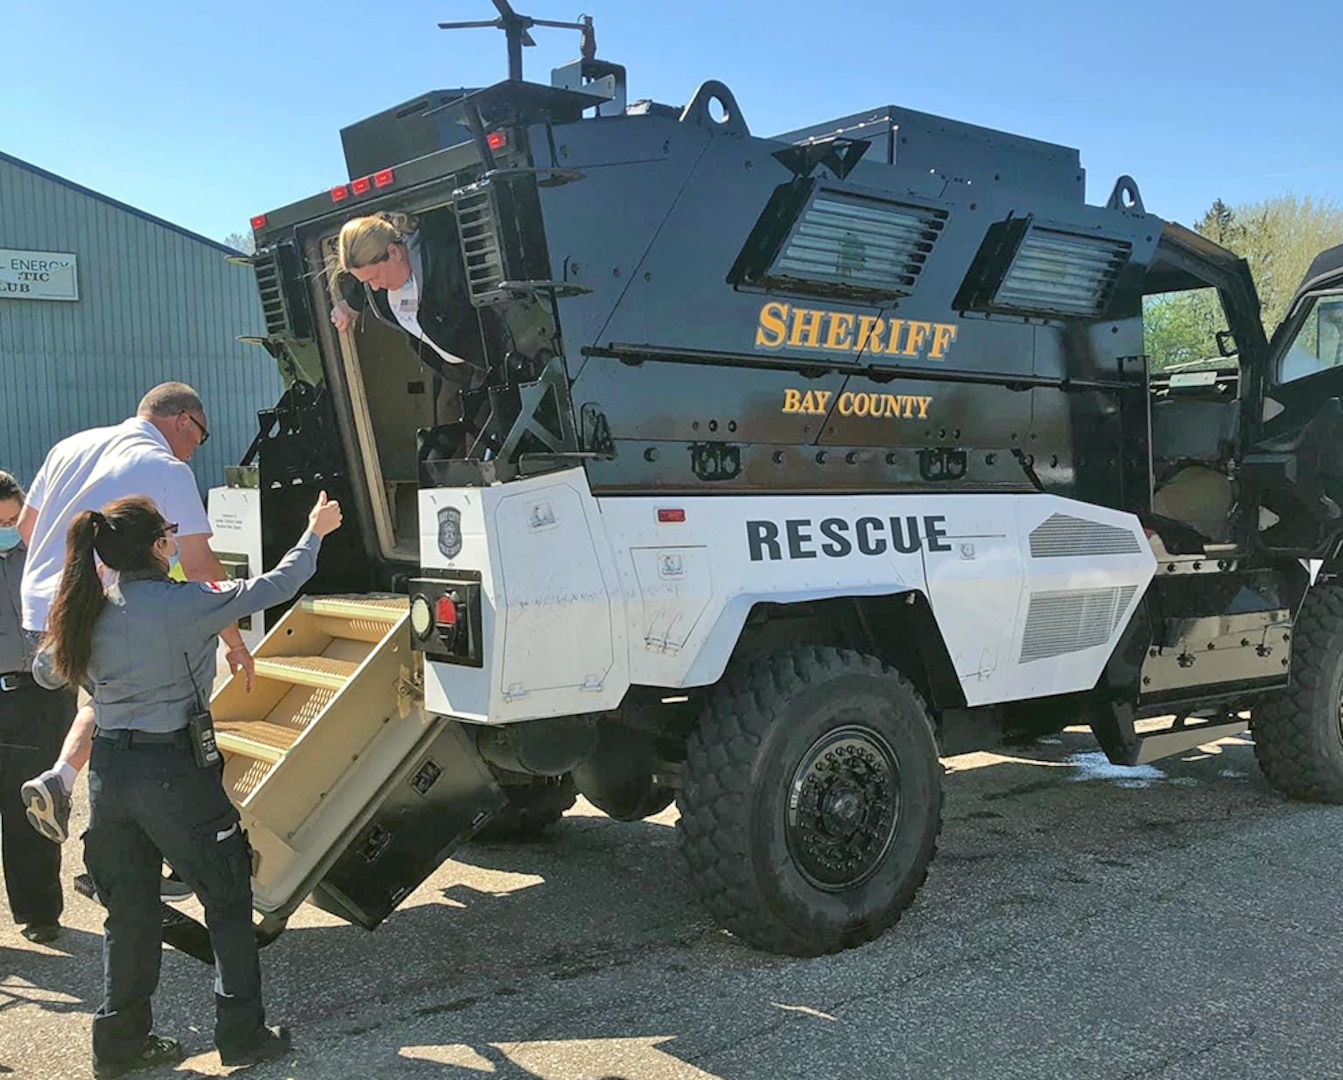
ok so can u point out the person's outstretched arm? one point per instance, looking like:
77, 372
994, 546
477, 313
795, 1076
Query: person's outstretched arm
217, 604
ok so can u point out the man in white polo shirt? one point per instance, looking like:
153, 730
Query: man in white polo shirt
145, 455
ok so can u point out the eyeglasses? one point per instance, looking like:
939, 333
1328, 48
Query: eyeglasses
169, 528
205, 435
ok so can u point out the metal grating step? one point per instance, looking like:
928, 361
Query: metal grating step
320, 671
387, 608
257, 739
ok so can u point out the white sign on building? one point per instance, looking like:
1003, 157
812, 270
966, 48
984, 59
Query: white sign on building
38, 275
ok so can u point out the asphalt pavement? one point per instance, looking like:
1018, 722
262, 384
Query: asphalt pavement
1180, 921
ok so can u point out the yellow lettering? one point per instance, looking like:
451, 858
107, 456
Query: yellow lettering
841, 331
846, 404
893, 341
943, 335
773, 325
792, 401
870, 329
862, 404
806, 328
890, 405
917, 339
823, 399
924, 402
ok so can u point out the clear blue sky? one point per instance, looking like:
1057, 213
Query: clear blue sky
206, 114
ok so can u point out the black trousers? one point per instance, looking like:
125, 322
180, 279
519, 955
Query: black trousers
147, 803
33, 724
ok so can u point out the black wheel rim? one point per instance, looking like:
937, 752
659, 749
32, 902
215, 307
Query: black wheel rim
843, 808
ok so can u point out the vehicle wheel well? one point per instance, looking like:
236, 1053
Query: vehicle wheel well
900, 630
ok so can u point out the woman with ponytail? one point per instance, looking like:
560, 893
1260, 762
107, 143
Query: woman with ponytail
147, 647
409, 275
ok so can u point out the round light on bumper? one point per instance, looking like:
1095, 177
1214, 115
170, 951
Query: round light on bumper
421, 616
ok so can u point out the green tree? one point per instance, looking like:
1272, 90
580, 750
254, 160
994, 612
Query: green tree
241, 241
1278, 238
1181, 328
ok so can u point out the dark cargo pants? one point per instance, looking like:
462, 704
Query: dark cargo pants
33, 723
148, 802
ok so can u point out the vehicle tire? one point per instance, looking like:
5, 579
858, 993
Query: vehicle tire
1298, 732
812, 800
531, 809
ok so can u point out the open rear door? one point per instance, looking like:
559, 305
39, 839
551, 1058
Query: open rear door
1294, 466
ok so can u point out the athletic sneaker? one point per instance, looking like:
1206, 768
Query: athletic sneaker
172, 887
47, 806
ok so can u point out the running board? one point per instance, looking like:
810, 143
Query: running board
1181, 738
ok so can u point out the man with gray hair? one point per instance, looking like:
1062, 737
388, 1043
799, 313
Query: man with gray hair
145, 455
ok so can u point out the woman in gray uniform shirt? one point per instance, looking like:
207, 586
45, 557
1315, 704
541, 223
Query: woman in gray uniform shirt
146, 645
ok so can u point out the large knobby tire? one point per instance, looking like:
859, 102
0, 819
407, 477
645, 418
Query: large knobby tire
1298, 733
812, 800
531, 809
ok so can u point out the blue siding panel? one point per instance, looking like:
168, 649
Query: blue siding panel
155, 303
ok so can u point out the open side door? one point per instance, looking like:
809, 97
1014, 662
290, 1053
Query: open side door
1294, 465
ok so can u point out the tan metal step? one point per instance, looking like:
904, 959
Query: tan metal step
387, 608
257, 739
323, 672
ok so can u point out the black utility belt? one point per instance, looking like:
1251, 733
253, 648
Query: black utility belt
16, 680
129, 738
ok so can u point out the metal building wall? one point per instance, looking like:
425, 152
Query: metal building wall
156, 302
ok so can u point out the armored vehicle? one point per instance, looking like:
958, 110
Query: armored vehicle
789, 465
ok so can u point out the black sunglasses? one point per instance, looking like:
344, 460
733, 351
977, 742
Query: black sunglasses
169, 528
205, 435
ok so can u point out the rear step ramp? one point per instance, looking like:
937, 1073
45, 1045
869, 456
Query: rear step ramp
319, 745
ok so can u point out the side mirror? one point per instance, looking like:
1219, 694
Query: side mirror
1226, 343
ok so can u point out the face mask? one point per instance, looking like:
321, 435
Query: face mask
174, 561
9, 538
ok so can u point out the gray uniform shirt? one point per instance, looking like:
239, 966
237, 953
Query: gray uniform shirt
13, 646
155, 635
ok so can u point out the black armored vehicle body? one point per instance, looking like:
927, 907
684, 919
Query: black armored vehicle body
783, 466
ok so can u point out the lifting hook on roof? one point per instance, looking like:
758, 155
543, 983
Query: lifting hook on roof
1126, 196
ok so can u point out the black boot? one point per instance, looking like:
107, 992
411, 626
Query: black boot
272, 1043
154, 1052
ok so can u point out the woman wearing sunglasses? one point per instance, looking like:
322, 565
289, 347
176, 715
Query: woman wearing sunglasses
146, 645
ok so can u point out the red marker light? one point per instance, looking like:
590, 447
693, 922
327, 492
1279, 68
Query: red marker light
497, 140
258, 222
670, 517
362, 186
340, 194
445, 611
383, 178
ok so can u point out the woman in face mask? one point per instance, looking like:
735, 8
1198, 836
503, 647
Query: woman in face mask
147, 646
33, 721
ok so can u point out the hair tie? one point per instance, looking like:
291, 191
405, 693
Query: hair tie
96, 516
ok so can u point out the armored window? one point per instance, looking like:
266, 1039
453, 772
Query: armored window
1024, 268
822, 240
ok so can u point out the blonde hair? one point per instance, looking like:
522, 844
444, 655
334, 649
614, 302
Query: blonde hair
364, 241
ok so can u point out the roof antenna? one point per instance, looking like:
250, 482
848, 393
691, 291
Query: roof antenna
517, 29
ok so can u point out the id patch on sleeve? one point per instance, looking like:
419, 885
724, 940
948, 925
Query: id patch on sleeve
218, 586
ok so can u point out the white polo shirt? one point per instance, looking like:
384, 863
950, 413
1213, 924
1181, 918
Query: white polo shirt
86, 472
405, 301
